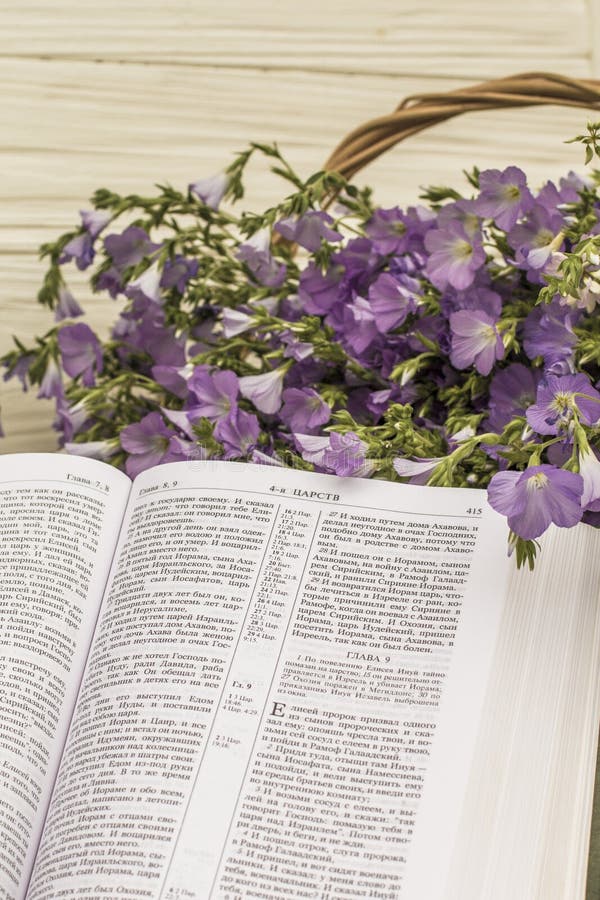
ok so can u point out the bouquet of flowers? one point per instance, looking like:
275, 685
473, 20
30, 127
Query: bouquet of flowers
452, 343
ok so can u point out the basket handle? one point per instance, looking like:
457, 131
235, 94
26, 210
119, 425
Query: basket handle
420, 111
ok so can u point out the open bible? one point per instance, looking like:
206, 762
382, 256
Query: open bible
232, 681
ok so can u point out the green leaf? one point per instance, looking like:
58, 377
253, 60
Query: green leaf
526, 551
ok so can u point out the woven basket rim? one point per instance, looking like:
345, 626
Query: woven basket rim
417, 112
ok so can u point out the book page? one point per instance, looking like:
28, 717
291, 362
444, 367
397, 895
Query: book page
529, 797
265, 695
59, 521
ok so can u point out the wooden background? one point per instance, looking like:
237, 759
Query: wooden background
126, 93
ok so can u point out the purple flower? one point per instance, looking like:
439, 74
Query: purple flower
387, 230
150, 336
266, 459
215, 392
538, 230
182, 450
109, 280
346, 455
435, 328
532, 499
359, 327
161, 343
319, 291
512, 390
534, 240
480, 298
455, 256
559, 399
211, 190
271, 304
19, 370
256, 253
396, 231
312, 447
146, 442
81, 352
308, 230
295, 349
183, 419
70, 419
95, 220
238, 433
548, 332
504, 196
130, 247
67, 306
358, 404
361, 262
475, 341
236, 322
390, 301
202, 334
304, 410
551, 198
177, 272
589, 469
264, 390
460, 211
146, 286
342, 454
102, 450
571, 186
80, 248
377, 402
417, 470
171, 378
51, 385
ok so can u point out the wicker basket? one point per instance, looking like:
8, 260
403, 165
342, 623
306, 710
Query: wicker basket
420, 111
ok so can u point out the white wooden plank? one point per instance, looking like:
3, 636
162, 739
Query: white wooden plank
130, 140
466, 38
592, 16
